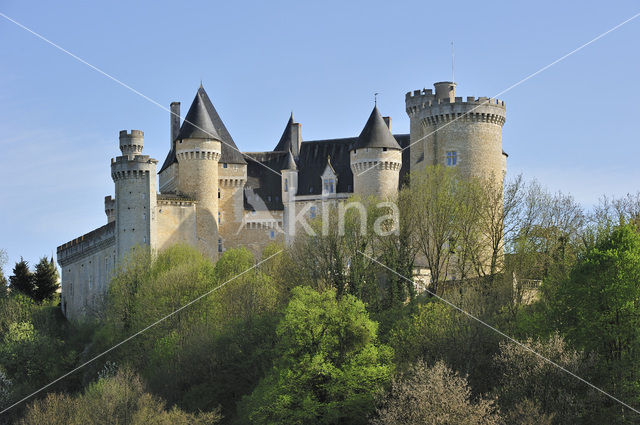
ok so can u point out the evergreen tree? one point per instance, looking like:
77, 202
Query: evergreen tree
3, 279
22, 279
45, 280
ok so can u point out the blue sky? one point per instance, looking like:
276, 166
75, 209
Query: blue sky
574, 127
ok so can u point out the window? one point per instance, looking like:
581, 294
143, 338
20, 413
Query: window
277, 198
225, 165
384, 149
452, 158
219, 217
286, 185
269, 198
219, 245
272, 234
311, 189
312, 212
219, 194
329, 185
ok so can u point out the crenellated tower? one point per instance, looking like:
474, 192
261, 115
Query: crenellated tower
198, 149
450, 131
134, 176
376, 159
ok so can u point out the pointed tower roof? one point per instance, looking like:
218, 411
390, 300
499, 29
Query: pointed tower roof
289, 141
212, 124
291, 162
197, 124
376, 134
230, 153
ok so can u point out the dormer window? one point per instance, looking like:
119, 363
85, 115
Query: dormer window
329, 185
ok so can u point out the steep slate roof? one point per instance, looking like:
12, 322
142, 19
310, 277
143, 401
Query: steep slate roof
286, 140
212, 123
291, 162
376, 133
197, 124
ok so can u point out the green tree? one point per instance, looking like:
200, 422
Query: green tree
45, 280
598, 307
120, 399
435, 396
329, 364
22, 279
3, 279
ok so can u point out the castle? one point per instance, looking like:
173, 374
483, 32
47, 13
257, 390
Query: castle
212, 196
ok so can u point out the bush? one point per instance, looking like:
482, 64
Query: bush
435, 396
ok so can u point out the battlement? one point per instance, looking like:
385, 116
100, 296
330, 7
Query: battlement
131, 143
138, 166
425, 97
424, 104
86, 244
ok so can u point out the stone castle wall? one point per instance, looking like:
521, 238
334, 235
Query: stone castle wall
86, 265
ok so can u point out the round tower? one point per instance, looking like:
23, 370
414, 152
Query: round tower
376, 159
198, 150
134, 176
448, 131
131, 143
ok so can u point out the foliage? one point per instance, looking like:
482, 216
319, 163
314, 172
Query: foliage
3, 279
524, 375
598, 307
328, 367
120, 399
22, 279
45, 280
37, 345
435, 395
212, 352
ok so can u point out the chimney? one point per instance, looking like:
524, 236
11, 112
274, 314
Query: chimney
296, 139
387, 120
175, 122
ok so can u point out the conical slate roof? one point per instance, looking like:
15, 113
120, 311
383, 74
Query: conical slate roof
291, 162
286, 141
376, 134
230, 152
197, 124
203, 114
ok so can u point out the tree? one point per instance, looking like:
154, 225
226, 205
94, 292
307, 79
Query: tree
329, 364
597, 306
45, 280
435, 396
523, 375
3, 279
120, 399
22, 278
436, 197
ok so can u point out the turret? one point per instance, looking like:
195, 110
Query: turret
450, 131
110, 208
134, 176
376, 159
198, 149
131, 143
